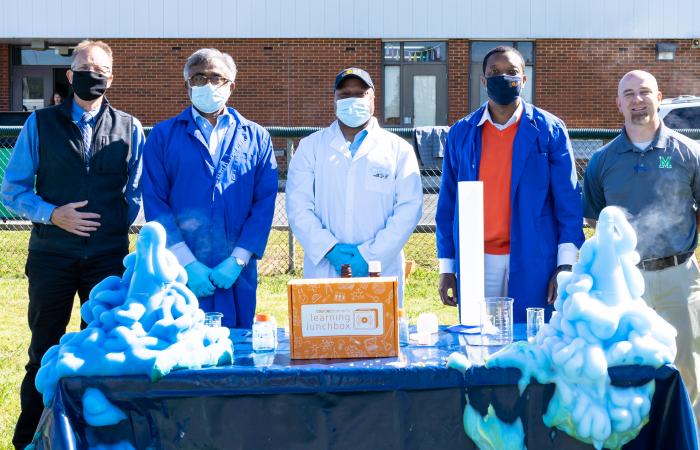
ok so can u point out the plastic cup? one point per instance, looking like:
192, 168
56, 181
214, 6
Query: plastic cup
427, 323
535, 321
213, 319
497, 321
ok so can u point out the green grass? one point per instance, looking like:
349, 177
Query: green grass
420, 248
14, 340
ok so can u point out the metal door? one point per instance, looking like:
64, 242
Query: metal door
424, 93
32, 87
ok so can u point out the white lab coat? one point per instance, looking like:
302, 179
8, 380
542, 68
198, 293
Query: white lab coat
373, 199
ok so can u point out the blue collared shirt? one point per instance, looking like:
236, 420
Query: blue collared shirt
18, 193
214, 135
359, 137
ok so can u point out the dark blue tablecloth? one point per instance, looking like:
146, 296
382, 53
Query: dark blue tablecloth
270, 401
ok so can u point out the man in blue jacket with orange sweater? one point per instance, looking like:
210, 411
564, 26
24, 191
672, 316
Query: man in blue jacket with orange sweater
533, 214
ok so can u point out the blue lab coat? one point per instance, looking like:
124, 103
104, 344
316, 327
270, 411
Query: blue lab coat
546, 206
214, 208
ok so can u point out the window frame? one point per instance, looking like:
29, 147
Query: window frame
401, 63
474, 100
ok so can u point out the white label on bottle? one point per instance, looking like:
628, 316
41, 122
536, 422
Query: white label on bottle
342, 319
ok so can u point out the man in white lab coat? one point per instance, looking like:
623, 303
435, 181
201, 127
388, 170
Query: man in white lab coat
354, 190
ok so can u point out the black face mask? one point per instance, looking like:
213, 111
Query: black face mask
504, 89
88, 85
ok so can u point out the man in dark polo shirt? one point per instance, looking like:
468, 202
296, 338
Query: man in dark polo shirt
86, 158
654, 174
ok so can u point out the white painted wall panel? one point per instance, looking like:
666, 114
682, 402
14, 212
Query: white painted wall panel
333, 17
666, 13
244, 21
475, 15
522, 17
392, 20
107, 20
538, 22
450, 13
375, 23
300, 16
387, 19
170, 13
362, 11
684, 14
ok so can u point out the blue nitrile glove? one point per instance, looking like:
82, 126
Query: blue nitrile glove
198, 279
359, 265
339, 255
226, 273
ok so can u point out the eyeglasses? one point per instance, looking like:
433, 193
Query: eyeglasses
202, 80
103, 70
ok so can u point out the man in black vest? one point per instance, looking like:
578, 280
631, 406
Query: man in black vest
86, 157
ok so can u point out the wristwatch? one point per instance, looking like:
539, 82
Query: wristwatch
240, 261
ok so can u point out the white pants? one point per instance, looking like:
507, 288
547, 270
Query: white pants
675, 295
496, 268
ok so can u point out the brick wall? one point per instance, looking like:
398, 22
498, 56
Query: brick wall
577, 79
279, 82
457, 79
289, 82
4, 77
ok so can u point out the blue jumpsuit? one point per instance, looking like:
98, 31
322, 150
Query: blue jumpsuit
214, 208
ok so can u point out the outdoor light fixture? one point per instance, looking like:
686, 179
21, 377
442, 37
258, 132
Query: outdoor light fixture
63, 50
665, 51
37, 44
695, 43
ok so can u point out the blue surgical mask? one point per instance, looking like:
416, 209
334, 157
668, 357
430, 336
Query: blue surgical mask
209, 98
353, 111
504, 89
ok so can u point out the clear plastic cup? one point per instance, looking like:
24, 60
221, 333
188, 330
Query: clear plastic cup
213, 319
535, 321
497, 321
427, 323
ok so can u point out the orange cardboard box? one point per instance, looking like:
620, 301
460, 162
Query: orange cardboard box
343, 318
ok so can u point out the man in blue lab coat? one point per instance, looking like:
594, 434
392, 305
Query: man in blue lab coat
538, 218
210, 178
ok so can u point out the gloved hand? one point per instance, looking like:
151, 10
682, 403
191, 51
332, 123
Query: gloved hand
359, 265
340, 254
198, 279
226, 273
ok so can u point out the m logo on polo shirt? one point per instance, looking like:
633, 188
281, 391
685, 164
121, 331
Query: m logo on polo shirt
664, 162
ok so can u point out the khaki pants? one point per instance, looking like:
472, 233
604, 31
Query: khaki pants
675, 295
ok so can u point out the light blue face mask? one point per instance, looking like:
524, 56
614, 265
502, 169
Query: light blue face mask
209, 98
353, 111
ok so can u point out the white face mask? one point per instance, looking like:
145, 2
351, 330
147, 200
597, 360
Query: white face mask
209, 98
353, 111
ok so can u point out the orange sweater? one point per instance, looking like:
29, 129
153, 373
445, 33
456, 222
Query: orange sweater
495, 173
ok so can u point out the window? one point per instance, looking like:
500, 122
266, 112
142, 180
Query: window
479, 49
22, 56
683, 118
415, 84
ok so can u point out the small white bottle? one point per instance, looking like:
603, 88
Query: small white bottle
264, 333
374, 268
403, 327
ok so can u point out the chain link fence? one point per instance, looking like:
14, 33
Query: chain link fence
283, 253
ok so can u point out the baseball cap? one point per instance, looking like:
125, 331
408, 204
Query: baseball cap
353, 72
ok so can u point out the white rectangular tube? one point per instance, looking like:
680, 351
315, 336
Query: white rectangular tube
470, 198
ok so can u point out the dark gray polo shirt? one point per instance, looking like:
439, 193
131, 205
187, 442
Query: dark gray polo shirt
658, 187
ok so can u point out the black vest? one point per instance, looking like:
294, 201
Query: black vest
62, 177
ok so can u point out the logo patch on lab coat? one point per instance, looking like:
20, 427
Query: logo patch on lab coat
379, 173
